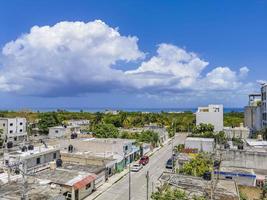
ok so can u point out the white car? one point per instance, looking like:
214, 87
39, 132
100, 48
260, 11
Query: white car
136, 167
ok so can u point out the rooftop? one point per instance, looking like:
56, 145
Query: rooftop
200, 139
255, 142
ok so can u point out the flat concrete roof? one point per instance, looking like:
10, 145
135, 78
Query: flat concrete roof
254, 142
199, 139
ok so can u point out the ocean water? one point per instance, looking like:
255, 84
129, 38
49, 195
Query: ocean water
152, 110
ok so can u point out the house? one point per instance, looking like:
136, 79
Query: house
200, 144
77, 185
213, 114
63, 131
14, 129
253, 113
240, 132
33, 158
82, 123
122, 150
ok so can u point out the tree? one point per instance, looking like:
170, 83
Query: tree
106, 131
48, 120
197, 166
220, 138
149, 137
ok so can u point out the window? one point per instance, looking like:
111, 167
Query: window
10, 131
20, 130
21, 123
54, 155
15, 138
88, 186
11, 124
38, 161
56, 131
4, 124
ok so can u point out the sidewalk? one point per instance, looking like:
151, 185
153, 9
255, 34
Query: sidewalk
117, 177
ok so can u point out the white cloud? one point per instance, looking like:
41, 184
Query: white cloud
73, 58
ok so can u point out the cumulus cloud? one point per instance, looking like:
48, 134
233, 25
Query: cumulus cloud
74, 58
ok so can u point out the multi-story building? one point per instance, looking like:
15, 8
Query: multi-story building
253, 113
264, 105
213, 114
14, 129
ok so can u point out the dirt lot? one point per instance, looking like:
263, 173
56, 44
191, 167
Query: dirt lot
251, 193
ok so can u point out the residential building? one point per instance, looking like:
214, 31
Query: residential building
34, 159
213, 114
63, 131
240, 132
76, 184
14, 129
264, 105
122, 150
83, 123
253, 113
200, 144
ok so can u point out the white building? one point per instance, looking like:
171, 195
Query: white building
264, 105
201, 144
237, 132
253, 113
80, 122
213, 114
63, 131
14, 129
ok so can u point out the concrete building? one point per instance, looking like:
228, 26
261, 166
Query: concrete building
34, 160
253, 113
121, 150
63, 131
264, 105
213, 114
240, 132
201, 144
83, 123
75, 184
14, 129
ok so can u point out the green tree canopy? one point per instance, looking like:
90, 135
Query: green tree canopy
47, 120
106, 131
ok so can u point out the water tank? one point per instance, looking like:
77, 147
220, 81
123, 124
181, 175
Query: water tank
59, 163
24, 149
9, 144
207, 176
30, 147
240, 146
70, 148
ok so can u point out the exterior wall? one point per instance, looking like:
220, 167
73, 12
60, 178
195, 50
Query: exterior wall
83, 192
264, 105
14, 129
244, 159
201, 145
239, 177
213, 114
253, 117
59, 132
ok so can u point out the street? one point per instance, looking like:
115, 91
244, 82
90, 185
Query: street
120, 190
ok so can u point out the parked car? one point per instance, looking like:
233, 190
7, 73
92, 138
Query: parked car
144, 160
169, 164
136, 167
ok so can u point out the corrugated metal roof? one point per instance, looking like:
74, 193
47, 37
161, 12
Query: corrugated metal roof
82, 183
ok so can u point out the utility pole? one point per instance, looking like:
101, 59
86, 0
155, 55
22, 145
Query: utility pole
129, 181
147, 185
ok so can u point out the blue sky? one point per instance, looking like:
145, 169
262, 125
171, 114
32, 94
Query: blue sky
225, 36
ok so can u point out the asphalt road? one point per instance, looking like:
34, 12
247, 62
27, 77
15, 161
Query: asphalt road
120, 190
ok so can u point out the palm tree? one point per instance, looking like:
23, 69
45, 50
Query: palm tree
1, 138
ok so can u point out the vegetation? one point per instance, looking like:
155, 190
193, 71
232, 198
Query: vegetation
233, 119
106, 131
167, 193
198, 166
48, 120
